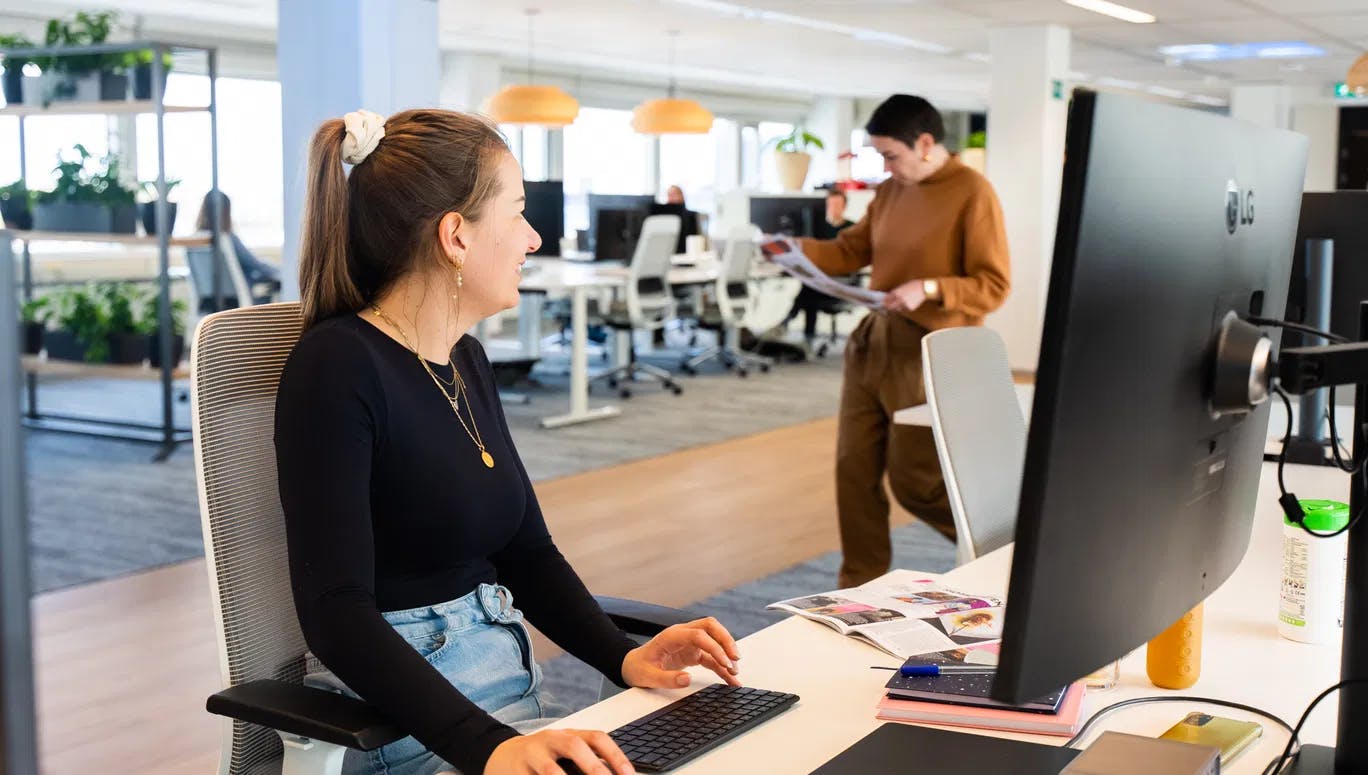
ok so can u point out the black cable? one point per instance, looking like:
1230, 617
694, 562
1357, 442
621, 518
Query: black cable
1277, 764
1287, 437
1298, 327
1107, 711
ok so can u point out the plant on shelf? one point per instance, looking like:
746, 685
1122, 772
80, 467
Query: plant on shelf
80, 327
88, 196
975, 153
33, 318
148, 209
124, 325
792, 158
84, 77
150, 324
14, 67
140, 63
16, 206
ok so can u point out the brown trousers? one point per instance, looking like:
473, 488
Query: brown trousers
883, 373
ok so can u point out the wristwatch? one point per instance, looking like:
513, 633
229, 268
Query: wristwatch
931, 289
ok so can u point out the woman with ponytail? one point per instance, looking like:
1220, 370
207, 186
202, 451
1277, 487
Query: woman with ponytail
411, 523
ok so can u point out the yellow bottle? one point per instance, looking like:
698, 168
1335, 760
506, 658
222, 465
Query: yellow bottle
1174, 658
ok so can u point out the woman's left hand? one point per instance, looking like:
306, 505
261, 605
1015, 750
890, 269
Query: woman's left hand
660, 663
906, 297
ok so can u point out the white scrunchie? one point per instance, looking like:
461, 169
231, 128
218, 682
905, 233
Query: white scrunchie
364, 130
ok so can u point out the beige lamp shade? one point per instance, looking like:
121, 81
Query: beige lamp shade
670, 116
528, 104
1357, 82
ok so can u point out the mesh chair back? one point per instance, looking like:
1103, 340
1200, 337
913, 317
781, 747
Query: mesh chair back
980, 433
235, 367
648, 289
232, 282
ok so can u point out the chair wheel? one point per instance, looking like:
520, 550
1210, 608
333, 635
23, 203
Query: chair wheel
625, 393
612, 384
687, 369
764, 368
728, 365
677, 390
741, 373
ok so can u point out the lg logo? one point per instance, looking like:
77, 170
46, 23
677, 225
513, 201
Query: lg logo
1239, 208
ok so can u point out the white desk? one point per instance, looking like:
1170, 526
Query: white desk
831, 672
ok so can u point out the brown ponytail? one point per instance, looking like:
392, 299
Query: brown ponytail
364, 231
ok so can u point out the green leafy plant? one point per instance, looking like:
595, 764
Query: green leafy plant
16, 190
123, 303
798, 141
149, 188
79, 311
16, 41
144, 57
84, 178
35, 310
977, 139
150, 322
85, 29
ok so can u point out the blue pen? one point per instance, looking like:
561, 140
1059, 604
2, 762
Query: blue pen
933, 670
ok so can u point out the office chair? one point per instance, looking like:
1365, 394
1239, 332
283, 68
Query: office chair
647, 304
980, 434
731, 297
273, 723
233, 285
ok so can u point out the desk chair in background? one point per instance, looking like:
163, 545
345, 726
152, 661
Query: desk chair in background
233, 285
273, 723
647, 303
731, 300
980, 434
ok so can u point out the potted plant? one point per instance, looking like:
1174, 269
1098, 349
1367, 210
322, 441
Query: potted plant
124, 329
792, 158
14, 68
83, 77
140, 62
148, 210
88, 197
151, 324
33, 317
80, 328
16, 206
975, 153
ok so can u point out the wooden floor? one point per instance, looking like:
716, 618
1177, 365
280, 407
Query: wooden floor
124, 666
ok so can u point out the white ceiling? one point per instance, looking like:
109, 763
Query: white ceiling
717, 48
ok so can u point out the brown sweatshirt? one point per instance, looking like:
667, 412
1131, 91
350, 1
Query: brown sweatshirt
947, 228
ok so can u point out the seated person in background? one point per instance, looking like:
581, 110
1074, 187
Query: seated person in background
808, 301
674, 205
410, 532
256, 271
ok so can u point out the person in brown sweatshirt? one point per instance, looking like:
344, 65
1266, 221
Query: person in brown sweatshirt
934, 240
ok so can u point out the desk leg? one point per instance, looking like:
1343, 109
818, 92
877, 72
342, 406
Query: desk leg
529, 323
579, 369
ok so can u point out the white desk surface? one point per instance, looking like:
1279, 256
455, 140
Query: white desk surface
1244, 660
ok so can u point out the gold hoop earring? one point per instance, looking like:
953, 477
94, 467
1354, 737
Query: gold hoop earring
926, 157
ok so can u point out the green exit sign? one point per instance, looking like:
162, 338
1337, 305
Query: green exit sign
1343, 92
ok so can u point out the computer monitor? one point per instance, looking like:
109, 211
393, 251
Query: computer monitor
1136, 502
545, 210
688, 220
791, 215
1340, 216
599, 202
617, 234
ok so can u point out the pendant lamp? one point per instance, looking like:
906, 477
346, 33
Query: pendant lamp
1357, 81
671, 115
531, 104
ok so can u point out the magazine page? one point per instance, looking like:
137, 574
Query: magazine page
785, 253
905, 618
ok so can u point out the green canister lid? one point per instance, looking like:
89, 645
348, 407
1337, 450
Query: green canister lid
1323, 516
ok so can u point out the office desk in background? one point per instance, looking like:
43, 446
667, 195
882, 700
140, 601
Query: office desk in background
831, 674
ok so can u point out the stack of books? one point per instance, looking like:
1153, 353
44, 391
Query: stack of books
954, 688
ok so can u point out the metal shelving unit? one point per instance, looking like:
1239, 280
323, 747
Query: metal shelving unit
166, 433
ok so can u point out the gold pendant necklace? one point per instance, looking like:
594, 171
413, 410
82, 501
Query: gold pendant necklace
459, 389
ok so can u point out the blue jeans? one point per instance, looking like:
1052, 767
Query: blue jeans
480, 645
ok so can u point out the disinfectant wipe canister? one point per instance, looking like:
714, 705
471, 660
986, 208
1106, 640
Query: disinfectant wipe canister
1311, 608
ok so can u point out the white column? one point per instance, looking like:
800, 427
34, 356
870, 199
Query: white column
336, 56
1025, 158
832, 119
468, 79
1265, 104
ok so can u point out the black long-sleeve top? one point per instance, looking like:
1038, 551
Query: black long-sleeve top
388, 506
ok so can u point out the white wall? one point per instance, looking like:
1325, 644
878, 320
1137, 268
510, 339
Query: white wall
1319, 121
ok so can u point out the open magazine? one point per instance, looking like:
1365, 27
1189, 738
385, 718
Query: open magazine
905, 617
785, 253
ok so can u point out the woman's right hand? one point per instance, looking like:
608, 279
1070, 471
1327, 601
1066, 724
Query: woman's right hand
536, 754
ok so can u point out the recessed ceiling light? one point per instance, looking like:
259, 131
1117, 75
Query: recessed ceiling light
863, 34
1113, 10
1164, 91
1118, 83
1222, 52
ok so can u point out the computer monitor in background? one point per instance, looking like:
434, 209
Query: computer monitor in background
545, 210
688, 220
1136, 502
598, 202
1340, 216
616, 235
794, 216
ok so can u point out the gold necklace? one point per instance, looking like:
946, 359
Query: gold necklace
459, 385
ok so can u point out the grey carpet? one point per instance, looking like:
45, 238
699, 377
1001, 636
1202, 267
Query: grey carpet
101, 508
575, 685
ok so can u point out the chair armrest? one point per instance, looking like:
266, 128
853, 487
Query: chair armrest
638, 618
302, 710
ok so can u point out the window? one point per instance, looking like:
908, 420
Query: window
867, 165
604, 155
529, 146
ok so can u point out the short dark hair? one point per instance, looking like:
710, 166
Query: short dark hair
905, 117
837, 192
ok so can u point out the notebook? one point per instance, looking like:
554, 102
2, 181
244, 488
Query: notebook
1063, 723
964, 689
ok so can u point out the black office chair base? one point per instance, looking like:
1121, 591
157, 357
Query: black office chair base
637, 372
732, 360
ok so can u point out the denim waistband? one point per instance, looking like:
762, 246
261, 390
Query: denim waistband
486, 603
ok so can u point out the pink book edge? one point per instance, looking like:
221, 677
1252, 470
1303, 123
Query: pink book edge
1062, 724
